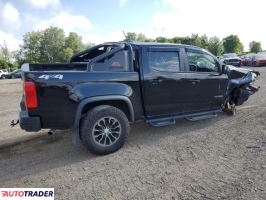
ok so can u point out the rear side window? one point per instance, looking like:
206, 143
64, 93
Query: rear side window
202, 62
117, 62
164, 61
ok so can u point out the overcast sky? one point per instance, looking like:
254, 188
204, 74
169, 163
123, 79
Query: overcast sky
104, 20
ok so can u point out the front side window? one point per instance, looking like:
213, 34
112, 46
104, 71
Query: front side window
202, 62
164, 61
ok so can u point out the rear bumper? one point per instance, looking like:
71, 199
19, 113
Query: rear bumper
27, 123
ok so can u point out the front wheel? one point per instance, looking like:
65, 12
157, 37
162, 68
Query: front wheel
229, 109
104, 129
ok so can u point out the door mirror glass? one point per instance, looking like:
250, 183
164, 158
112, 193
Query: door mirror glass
224, 68
193, 67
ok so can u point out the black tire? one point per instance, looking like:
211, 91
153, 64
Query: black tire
231, 111
97, 116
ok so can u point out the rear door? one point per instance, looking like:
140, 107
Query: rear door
207, 85
165, 87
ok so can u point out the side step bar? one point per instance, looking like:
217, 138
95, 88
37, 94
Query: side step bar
162, 122
201, 117
158, 122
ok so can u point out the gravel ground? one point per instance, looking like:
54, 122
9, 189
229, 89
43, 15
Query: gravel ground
221, 158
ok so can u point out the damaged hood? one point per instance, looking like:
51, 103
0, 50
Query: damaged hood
237, 73
240, 84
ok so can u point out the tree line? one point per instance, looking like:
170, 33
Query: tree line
53, 46
48, 46
229, 44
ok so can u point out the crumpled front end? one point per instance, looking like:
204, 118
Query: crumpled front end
240, 86
241, 89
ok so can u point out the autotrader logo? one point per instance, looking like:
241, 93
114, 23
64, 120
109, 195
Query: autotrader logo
27, 193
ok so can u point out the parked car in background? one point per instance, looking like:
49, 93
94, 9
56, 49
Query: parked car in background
249, 60
246, 59
3, 72
259, 60
14, 74
243, 59
231, 59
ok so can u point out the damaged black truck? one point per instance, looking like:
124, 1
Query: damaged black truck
105, 88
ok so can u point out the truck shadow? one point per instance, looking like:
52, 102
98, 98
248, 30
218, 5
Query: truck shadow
43, 152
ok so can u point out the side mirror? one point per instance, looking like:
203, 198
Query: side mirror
224, 68
193, 67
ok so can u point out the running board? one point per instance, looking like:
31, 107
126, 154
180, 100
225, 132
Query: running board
162, 122
158, 122
201, 117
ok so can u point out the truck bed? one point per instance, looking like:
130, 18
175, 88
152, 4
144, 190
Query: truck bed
59, 67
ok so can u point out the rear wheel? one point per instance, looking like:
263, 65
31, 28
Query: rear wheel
104, 129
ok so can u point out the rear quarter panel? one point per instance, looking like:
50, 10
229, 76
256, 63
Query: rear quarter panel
59, 93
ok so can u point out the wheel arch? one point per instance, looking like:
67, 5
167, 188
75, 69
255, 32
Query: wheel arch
119, 101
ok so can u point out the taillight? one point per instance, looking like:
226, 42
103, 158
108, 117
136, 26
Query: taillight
30, 95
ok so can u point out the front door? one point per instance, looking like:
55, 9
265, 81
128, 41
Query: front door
207, 84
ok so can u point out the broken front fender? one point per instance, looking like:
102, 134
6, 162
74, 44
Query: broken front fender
240, 89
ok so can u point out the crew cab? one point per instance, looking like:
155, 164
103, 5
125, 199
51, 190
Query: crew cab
105, 88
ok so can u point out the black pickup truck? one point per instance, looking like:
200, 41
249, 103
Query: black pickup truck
105, 88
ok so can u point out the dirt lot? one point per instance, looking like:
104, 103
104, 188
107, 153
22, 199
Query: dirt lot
221, 158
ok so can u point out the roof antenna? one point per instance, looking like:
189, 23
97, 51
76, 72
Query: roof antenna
125, 35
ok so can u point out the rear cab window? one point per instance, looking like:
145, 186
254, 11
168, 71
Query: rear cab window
118, 62
115, 62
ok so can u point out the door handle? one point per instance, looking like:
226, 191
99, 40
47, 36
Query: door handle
194, 80
156, 81
214, 74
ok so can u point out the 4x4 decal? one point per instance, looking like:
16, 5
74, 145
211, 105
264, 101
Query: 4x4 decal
51, 76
